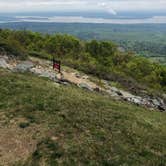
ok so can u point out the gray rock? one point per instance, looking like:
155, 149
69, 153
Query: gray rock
3, 63
112, 93
156, 102
137, 100
85, 86
65, 83
48, 75
44, 73
126, 94
114, 89
24, 66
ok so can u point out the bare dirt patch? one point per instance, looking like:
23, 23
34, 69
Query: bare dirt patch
17, 144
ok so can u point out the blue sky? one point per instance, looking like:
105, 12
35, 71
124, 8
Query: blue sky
110, 6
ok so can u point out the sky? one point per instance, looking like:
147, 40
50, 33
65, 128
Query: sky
110, 6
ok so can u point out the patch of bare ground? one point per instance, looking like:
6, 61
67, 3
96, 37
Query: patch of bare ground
16, 143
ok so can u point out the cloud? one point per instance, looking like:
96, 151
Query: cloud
111, 6
107, 7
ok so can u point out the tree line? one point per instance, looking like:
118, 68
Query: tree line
100, 58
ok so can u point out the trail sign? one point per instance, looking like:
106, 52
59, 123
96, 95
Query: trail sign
57, 65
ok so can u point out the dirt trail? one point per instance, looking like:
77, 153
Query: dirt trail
76, 79
69, 74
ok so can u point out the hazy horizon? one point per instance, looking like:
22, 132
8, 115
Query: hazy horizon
84, 11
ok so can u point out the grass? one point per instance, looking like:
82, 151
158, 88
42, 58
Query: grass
82, 128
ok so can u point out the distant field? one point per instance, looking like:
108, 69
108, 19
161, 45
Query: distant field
145, 39
47, 124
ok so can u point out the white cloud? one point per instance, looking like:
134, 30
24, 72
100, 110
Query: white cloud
111, 6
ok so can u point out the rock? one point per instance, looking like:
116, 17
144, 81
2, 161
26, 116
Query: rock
78, 75
3, 63
115, 90
65, 83
106, 84
126, 94
137, 100
24, 66
44, 73
37, 70
47, 74
112, 93
162, 108
85, 86
156, 102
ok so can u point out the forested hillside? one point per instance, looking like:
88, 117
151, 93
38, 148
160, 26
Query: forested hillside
100, 58
144, 39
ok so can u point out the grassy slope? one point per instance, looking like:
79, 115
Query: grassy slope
83, 128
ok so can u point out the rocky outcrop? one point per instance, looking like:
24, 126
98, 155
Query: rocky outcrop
24, 66
43, 69
3, 63
150, 102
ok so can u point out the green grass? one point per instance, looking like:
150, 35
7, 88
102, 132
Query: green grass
88, 128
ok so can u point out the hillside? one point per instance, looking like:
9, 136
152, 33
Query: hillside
103, 59
43, 123
70, 76
107, 108
144, 39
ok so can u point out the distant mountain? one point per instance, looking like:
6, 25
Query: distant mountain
86, 17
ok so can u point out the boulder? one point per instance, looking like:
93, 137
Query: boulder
112, 93
65, 83
137, 100
115, 90
45, 73
24, 66
162, 108
3, 63
85, 86
156, 102
126, 94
